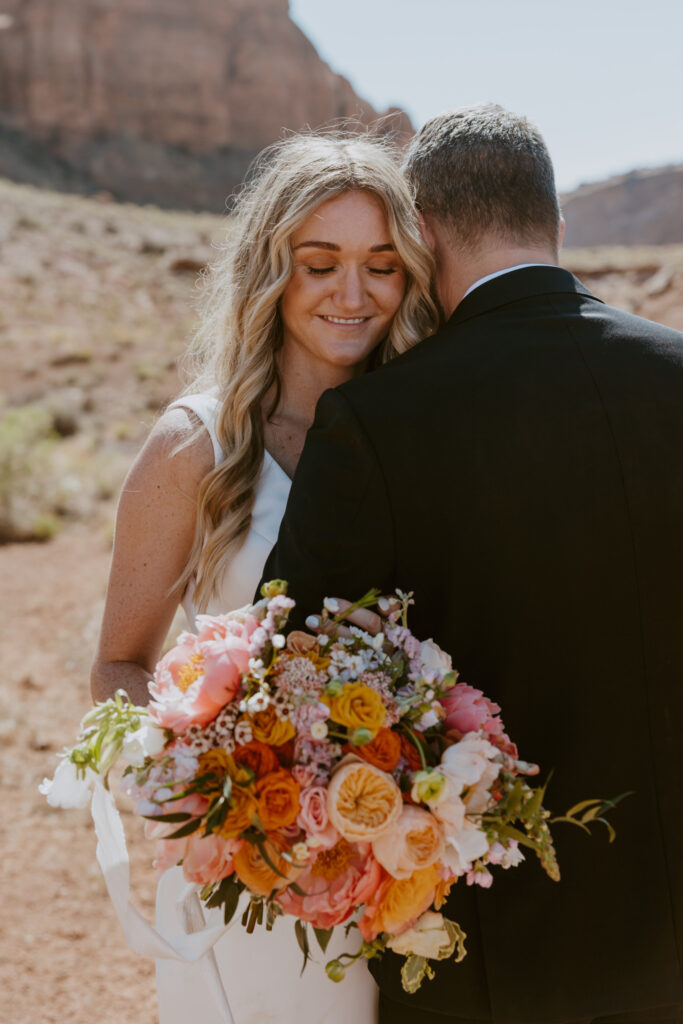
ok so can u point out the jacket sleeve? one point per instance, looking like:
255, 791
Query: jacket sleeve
336, 538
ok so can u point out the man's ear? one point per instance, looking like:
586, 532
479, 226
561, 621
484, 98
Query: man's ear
560, 233
427, 231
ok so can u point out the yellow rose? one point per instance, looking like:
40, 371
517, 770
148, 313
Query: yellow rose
362, 801
357, 707
270, 729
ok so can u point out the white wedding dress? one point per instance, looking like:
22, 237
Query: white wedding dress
260, 972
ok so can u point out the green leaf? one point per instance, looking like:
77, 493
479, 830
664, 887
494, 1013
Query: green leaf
262, 851
178, 816
508, 832
185, 830
301, 933
323, 935
413, 972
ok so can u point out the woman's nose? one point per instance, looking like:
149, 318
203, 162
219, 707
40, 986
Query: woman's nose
351, 291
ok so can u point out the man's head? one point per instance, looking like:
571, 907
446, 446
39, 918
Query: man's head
483, 178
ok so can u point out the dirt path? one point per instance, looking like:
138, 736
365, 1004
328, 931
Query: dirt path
62, 953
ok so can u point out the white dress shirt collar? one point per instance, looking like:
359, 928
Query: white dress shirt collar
499, 273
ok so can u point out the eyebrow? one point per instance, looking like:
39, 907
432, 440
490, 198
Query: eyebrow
331, 247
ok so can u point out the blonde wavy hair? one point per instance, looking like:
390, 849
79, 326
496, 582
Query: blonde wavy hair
235, 348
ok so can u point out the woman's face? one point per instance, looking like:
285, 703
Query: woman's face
347, 283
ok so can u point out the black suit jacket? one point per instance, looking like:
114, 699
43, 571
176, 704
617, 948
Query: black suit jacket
522, 472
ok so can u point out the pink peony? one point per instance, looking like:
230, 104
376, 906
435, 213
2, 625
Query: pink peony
337, 882
208, 858
468, 710
413, 842
201, 674
314, 820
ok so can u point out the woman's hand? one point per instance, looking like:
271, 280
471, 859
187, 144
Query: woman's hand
371, 622
155, 528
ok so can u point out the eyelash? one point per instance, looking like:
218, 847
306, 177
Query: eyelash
321, 271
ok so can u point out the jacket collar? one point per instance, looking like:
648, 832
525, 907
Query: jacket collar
514, 286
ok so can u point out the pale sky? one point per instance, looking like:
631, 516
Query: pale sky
603, 79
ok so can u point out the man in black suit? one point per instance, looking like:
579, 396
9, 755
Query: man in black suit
522, 472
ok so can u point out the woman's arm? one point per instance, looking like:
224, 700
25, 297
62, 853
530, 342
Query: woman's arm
155, 526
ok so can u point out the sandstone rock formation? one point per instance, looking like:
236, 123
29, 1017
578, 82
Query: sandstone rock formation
160, 101
640, 208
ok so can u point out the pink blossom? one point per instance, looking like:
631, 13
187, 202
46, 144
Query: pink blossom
207, 859
467, 709
329, 902
313, 818
201, 674
481, 878
304, 774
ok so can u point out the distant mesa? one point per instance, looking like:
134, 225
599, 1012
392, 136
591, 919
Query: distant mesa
158, 101
641, 208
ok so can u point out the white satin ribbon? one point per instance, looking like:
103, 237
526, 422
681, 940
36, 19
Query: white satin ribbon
199, 938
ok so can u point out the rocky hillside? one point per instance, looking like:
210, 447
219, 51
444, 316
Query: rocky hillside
162, 101
640, 208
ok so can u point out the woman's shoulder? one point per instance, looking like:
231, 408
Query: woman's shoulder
178, 450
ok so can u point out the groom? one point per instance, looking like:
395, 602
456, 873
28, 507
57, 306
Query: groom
522, 472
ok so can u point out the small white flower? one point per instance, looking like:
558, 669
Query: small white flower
434, 659
429, 719
66, 788
278, 641
257, 702
243, 733
147, 741
323, 639
255, 666
378, 641
319, 730
243, 705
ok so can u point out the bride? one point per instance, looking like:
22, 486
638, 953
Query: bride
324, 274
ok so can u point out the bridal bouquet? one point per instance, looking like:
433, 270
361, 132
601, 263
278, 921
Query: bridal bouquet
339, 777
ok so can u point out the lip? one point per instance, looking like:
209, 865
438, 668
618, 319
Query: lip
344, 321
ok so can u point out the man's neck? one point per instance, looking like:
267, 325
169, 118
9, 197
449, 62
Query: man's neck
457, 272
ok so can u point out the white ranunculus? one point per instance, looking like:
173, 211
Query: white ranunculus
434, 659
66, 788
147, 741
427, 936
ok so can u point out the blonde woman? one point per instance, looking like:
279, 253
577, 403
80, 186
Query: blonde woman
324, 275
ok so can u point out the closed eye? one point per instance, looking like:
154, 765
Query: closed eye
382, 271
319, 271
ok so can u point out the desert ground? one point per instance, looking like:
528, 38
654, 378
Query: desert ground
97, 303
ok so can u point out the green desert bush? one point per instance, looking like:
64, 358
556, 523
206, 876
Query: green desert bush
27, 443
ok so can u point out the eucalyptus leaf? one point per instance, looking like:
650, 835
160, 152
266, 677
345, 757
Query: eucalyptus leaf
185, 830
177, 816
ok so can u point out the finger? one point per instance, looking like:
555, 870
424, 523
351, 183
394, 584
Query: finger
367, 620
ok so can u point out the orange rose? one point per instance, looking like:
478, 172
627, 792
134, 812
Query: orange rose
278, 800
411, 753
362, 801
257, 757
252, 869
384, 751
268, 728
356, 707
398, 902
240, 815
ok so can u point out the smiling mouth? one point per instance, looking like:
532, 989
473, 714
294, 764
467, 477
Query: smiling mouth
345, 321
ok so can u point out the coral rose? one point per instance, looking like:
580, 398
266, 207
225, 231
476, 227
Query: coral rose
413, 842
252, 868
357, 707
398, 902
384, 751
268, 728
362, 801
299, 642
241, 814
339, 880
258, 757
278, 799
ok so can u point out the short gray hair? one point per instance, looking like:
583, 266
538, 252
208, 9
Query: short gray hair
484, 170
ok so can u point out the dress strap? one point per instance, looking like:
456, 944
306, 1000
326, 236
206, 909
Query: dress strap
205, 406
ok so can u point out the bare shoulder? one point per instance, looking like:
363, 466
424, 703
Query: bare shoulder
178, 453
